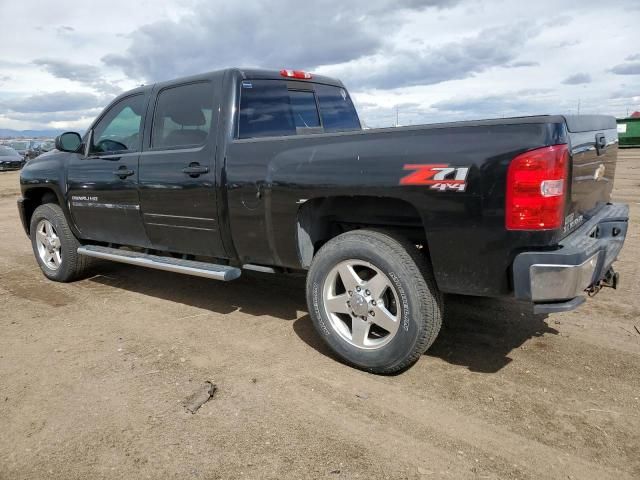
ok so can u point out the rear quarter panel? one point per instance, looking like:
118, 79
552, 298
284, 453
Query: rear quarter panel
468, 244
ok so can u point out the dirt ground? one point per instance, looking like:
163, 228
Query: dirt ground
93, 375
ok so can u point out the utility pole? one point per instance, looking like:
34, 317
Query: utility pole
397, 115
578, 106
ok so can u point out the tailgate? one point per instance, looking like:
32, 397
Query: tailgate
593, 142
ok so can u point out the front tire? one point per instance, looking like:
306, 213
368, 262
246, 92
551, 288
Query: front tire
54, 245
374, 301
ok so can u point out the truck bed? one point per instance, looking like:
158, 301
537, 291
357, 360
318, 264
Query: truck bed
469, 247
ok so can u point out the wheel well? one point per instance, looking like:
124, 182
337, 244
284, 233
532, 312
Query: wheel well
321, 219
36, 197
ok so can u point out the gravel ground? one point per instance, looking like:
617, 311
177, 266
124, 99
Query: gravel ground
93, 376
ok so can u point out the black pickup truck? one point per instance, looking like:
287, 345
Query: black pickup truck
272, 171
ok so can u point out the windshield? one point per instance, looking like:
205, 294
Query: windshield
19, 145
7, 152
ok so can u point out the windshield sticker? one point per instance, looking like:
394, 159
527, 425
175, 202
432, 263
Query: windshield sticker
247, 84
440, 177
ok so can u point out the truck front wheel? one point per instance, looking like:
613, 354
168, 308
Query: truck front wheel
374, 301
54, 245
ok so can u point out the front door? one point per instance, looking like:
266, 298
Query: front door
177, 181
103, 190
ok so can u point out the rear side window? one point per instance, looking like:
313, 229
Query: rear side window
337, 110
265, 110
272, 108
182, 116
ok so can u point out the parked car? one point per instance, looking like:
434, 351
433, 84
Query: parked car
10, 159
271, 171
47, 146
23, 147
38, 147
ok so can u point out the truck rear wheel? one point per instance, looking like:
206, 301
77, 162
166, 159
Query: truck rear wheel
374, 301
54, 245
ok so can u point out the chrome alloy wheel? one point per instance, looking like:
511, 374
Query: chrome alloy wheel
362, 304
48, 244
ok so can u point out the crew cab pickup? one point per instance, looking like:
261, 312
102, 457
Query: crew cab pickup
272, 171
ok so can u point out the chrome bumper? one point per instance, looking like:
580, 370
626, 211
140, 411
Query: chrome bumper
557, 280
551, 283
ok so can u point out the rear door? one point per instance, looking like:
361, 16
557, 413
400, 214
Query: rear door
177, 182
102, 186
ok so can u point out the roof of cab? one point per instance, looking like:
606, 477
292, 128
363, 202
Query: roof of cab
243, 73
262, 74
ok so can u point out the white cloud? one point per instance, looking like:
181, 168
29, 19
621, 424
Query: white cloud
431, 60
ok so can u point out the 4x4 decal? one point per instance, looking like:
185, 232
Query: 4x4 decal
439, 176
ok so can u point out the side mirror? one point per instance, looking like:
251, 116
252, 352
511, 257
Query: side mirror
68, 142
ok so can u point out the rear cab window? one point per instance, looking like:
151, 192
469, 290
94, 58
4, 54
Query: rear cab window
304, 109
275, 108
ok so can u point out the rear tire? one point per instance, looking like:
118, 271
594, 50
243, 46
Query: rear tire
373, 300
54, 245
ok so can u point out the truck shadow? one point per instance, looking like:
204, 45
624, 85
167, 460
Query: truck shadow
478, 333
254, 293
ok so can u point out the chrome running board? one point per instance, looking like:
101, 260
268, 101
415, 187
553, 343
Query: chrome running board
169, 264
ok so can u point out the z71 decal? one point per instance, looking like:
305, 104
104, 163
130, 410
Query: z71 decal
439, 177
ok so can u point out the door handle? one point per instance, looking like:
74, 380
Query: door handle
195, 170
123, 172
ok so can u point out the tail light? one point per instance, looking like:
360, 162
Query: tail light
296, 74
536, 189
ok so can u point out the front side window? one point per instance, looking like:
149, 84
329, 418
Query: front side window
119, 129
182, 116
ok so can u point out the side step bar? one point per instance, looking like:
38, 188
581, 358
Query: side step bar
170, 264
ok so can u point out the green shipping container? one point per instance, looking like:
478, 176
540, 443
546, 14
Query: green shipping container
629, 132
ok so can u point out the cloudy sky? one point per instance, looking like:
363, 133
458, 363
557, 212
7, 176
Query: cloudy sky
429, 60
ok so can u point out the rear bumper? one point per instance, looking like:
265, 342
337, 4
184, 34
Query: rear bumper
556, 280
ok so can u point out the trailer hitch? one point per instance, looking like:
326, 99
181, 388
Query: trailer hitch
610, 280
